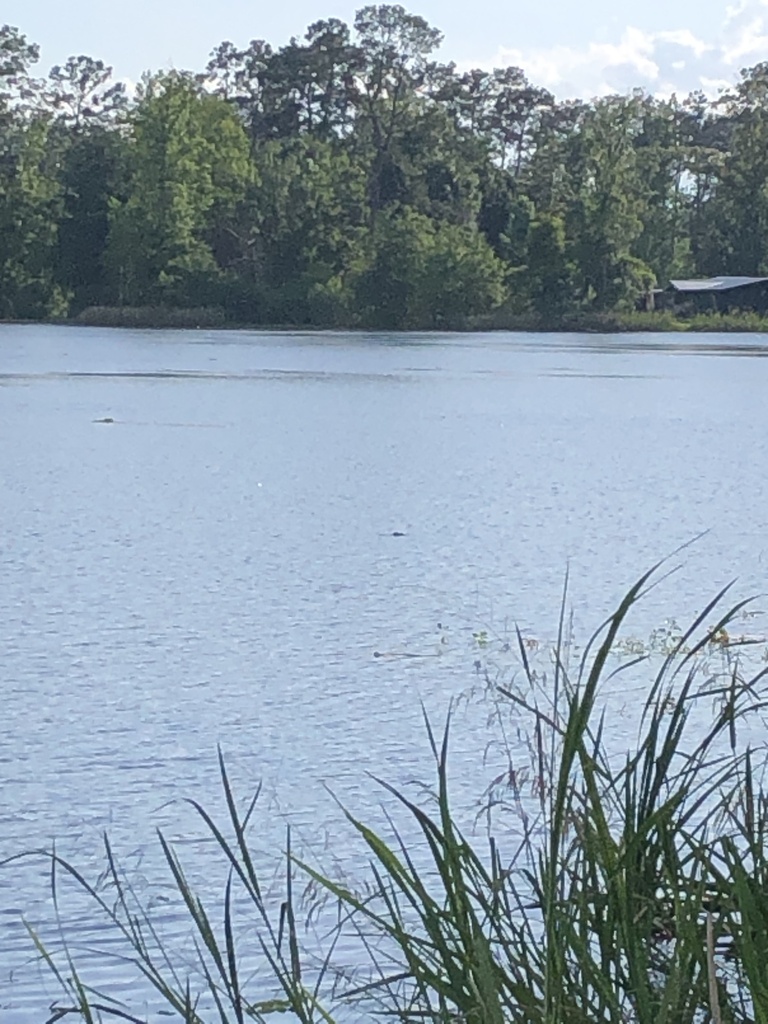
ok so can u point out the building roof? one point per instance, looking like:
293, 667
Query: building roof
715, 284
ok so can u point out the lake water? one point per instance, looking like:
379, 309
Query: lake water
263, 513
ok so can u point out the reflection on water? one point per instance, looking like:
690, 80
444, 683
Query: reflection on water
208, 537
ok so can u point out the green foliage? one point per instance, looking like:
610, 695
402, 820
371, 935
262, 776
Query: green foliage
604, 216
16, 57
423, 272
663, 147
30, 206
81, 94
278, 182
153, 316
548, 271
738, 208
634, 893
90, 171
188, 168
299, 231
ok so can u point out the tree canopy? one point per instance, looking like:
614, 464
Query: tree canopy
351, 177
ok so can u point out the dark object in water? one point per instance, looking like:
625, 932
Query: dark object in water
397, 533
107, 419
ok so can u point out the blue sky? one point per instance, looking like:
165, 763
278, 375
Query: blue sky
578, 48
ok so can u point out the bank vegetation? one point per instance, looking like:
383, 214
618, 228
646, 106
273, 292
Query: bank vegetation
621, 882
352, 177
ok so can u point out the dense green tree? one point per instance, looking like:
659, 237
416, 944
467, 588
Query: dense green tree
736, 221
513, 116
604, 205
706, 130
351, 176
30, 208
317, 80
91, 176
505, 215
424, 272
663, 154
548, 277
437, 167
247, 80
188, 169
84, 105
547, 173
297, 234
30, 195
395, 47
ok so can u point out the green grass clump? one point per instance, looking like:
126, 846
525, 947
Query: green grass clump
662, 321
632, 890
577, 322
580, 322
153, 316
746, 321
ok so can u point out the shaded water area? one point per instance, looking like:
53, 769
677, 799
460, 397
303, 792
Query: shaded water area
214, 537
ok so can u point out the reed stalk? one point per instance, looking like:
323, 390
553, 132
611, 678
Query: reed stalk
638, 893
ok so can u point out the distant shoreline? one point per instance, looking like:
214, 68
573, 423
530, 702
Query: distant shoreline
207, 318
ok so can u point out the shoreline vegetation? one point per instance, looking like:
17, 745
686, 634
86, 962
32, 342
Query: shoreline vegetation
356, 177
628, 887
217, 318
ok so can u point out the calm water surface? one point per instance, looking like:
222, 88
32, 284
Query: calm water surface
219, 564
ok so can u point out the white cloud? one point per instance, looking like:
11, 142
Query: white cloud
595, 66
750, 42
662, 61
733, 11
685, 38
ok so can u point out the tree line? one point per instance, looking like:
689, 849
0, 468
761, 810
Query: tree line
350, 177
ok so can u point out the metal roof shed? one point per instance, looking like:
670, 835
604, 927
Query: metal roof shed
715, 284
723, 293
